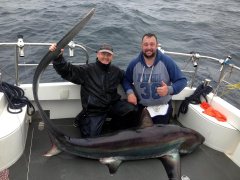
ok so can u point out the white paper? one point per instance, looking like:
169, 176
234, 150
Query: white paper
158, 110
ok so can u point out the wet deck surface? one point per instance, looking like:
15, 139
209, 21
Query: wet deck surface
204, 163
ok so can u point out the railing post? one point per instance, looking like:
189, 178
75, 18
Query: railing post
16, 66
194, 59
222, 73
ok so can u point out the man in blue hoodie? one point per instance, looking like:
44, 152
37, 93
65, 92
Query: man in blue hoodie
151, 79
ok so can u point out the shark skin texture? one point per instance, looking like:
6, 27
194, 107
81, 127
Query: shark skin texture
165, 142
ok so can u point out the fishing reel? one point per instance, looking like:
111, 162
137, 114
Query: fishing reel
194, 58
20, 45
71, 45
224, 62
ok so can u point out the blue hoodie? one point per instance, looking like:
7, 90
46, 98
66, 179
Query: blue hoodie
143, 80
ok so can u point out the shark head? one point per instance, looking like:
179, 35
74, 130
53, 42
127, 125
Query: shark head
193, 139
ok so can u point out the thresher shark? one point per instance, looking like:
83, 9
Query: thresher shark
165, 142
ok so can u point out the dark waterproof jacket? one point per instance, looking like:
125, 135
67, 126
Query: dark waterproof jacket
98, 82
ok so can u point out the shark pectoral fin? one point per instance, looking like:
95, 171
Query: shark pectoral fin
112, 163
171, 163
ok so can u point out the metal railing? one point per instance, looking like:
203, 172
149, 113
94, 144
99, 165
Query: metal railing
19, 52
194, 58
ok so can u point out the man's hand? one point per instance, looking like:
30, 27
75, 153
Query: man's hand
53, 48
132, 99
163, 89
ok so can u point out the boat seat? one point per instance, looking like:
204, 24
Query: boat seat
13, 133
221, 136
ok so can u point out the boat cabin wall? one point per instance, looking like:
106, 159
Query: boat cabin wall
63, 99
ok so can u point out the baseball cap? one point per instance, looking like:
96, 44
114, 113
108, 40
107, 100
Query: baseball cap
106, 48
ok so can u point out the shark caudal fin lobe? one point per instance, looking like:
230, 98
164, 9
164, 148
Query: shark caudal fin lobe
112, 163
145, 119
171, 163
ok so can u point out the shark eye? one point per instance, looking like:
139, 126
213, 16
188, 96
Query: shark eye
138, 131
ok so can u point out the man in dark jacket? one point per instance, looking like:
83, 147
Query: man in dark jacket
99, 82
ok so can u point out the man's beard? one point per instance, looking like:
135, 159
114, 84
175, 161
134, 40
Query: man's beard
149, 56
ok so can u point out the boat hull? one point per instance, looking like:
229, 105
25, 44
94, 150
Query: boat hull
13, 134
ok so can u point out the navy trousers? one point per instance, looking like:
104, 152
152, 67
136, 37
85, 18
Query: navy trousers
123, 116
161, 119
91, 126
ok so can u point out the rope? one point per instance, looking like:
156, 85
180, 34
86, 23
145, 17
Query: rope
195, 98
16, 98
230, 87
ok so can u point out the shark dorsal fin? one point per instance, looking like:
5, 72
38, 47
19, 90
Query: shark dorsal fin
145, 119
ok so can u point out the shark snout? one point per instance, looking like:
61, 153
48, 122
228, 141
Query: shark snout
192, 140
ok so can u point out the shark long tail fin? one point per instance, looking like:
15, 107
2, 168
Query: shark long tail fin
45, 62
